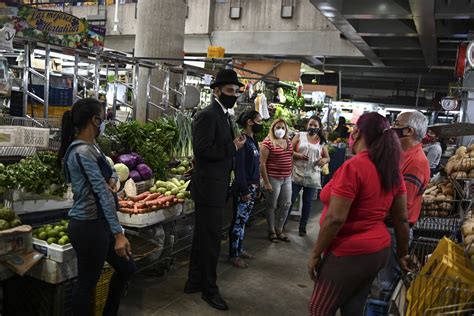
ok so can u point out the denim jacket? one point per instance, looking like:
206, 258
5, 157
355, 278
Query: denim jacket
87, 169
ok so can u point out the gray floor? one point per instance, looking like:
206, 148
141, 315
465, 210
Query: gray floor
276, 283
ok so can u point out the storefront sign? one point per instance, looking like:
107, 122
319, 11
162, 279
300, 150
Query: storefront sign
55, 22
53, 27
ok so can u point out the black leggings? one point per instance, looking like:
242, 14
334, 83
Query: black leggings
94, 244
344, 283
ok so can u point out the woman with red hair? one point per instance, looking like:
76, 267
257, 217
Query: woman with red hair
353, 243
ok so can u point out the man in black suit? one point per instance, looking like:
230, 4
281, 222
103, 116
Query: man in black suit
214, 146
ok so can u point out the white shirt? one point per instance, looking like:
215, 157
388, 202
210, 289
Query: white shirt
226, 111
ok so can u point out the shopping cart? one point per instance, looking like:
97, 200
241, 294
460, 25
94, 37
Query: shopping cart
437, 228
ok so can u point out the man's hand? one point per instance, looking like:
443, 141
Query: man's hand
313, 266
321, 162
112, 185
405, 263
240, 141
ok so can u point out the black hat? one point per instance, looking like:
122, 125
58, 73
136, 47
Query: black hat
226, 76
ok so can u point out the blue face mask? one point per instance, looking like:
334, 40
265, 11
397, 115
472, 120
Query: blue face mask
101, 128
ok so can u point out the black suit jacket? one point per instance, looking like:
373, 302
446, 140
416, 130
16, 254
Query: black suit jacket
214, 150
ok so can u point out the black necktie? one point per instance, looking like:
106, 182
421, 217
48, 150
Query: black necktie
229, 121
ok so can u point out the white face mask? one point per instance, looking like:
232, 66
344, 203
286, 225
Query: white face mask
280, 133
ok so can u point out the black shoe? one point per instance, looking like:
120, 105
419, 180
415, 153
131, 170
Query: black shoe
302, 232
191, 289
215, 301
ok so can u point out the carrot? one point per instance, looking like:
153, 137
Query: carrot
126, 210
140, 205
139, 197
152, 197
165, 199
135, 209
126, 204
153, 202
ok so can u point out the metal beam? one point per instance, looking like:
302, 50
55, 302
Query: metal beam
423, 16
405, 43
379, 27
369, 9
332, 11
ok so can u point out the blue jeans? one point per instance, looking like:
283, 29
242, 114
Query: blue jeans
308, 194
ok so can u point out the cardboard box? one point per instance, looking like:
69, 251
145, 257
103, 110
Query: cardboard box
16, 241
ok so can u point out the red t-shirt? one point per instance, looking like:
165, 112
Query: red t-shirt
416, 172
280, 161
364, 231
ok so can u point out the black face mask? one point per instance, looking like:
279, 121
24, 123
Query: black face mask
313, 131
399, 131
227, 101
257, 128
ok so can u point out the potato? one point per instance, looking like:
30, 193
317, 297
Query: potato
448, 191
461, 151
466, 164
449, 197
471, 174
459, 175
440, 197
471, 154
468, 240
471, 148
468, 228
443, 213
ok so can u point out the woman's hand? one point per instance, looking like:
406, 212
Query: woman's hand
321, 162
301, 156
246, 198
112, 185
405, 262
313, 266
267, 187
122, 246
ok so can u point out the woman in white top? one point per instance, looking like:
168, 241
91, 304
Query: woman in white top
309, 154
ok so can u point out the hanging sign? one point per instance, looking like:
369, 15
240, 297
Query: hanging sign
53, 27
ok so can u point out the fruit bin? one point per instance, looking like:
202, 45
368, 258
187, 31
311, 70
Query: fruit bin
53, 272
55, 252
101, 291
151, 218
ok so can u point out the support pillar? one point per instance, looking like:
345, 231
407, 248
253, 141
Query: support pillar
159, 33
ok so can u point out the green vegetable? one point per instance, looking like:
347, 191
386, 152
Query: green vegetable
15, 223
181, 195
162, 190
4, 225
51, 240
43, 235
122, 171
168, 193
175, 182
175, 191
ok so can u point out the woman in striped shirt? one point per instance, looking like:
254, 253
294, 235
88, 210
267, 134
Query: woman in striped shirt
276, 160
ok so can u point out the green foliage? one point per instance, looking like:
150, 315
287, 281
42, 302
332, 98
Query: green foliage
293, 101
154, 141
37, 174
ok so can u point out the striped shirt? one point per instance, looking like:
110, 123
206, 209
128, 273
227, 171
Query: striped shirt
280, 161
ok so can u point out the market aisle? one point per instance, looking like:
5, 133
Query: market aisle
277, 278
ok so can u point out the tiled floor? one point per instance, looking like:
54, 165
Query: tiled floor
276, 283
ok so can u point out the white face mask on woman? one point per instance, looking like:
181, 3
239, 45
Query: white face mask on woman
280, 133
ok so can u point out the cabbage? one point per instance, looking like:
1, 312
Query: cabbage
122, 171
135, 176
129, 160
145, 171
139, 159
110, 161
130, 188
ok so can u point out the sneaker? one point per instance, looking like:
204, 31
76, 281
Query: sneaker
239, 263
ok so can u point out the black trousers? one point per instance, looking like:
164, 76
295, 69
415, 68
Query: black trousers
206, 249
94, 244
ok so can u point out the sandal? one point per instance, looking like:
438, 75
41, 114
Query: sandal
283, 237
273, 238
239, 263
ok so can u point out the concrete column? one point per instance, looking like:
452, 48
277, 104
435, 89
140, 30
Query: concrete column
160, 33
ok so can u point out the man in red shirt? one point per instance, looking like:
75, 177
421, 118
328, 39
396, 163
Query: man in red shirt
411, 127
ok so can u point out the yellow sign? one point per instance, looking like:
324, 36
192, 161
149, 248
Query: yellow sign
56, 22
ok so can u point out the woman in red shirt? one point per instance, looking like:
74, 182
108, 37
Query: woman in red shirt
353, 238
276, 161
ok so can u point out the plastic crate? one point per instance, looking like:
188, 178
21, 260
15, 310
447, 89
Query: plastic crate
8, 136
28, 296
33, 137
376, 308
101, 291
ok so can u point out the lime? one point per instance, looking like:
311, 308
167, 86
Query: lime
58, 228
66, 239
63, 222
52, 233
153, 190
62, 234
43, 235
51, 240
62, 242
40, 230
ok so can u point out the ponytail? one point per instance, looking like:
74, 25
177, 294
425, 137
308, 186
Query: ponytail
67, 134
75, 120
384, 148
